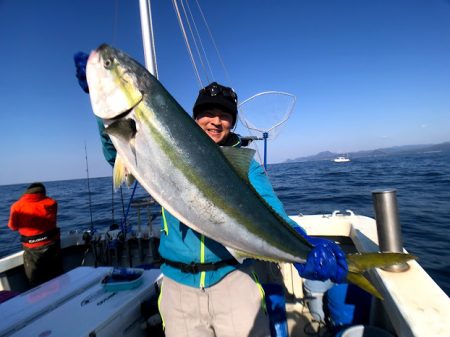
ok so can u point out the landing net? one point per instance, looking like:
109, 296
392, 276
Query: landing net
264, 116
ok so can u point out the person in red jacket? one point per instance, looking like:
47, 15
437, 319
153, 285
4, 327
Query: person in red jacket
34, 216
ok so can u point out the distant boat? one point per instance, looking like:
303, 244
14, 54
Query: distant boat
434, 151
341, 159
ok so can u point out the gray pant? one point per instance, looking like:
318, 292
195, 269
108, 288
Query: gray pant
230, 308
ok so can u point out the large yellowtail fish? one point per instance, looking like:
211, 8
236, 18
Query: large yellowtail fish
203, 185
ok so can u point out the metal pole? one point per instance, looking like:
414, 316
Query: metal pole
148, 40
388, 225
265, 136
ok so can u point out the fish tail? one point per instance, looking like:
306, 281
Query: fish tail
361, 262
361, 281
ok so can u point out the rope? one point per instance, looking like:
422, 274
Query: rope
112, 201
219, 56
196, 37
89, 187
121, 199
123, 226
183, 31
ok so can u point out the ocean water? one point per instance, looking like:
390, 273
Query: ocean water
422, 182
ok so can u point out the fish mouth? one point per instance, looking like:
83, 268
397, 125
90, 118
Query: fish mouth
126, 112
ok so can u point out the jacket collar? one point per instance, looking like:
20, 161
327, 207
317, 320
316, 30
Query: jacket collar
233, 140
33, 196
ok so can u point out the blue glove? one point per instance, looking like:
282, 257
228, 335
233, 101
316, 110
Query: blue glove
80, 59
325, 261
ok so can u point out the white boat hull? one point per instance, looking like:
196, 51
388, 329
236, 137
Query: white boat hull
414, 305
341, 160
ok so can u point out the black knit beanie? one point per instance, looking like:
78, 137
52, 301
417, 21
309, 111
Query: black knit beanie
35, 188
216, 95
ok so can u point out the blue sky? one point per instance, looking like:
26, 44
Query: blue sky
366, 74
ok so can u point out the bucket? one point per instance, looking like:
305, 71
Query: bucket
314, 291
347, 305
276, 309
364, 331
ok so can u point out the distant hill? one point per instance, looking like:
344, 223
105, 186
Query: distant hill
395, 150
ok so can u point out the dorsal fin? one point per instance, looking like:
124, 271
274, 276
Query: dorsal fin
239, 158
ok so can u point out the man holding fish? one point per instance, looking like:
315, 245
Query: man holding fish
219, 210
201, 270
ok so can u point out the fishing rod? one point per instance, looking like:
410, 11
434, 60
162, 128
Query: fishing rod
89, 187
94, 247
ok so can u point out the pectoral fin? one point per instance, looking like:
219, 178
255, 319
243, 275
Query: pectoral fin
125, 129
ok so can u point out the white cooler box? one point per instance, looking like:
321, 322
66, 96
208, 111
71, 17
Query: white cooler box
76, 304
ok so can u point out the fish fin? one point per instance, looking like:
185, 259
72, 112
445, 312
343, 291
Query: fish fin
121, 174
363, 283
130, 179
240, 256
358, 263
133, 148
237, 254
240, 159
124, 128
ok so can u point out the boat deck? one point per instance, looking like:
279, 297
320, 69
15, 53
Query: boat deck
413, 304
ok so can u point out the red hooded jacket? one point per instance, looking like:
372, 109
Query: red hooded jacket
32, 215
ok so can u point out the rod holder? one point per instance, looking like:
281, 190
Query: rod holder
388, 225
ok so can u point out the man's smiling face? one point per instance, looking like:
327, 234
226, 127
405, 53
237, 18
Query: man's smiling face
216, 122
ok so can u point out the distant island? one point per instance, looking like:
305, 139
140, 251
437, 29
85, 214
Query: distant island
395, 150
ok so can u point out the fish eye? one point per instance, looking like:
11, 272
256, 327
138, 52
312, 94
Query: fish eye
108, 63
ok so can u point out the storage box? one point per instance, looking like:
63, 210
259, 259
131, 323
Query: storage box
86, 310
20, 310
123, 279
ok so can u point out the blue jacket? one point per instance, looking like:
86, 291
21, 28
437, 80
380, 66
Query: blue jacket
182, 244
108, 148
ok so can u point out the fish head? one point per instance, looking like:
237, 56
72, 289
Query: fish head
114, 86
